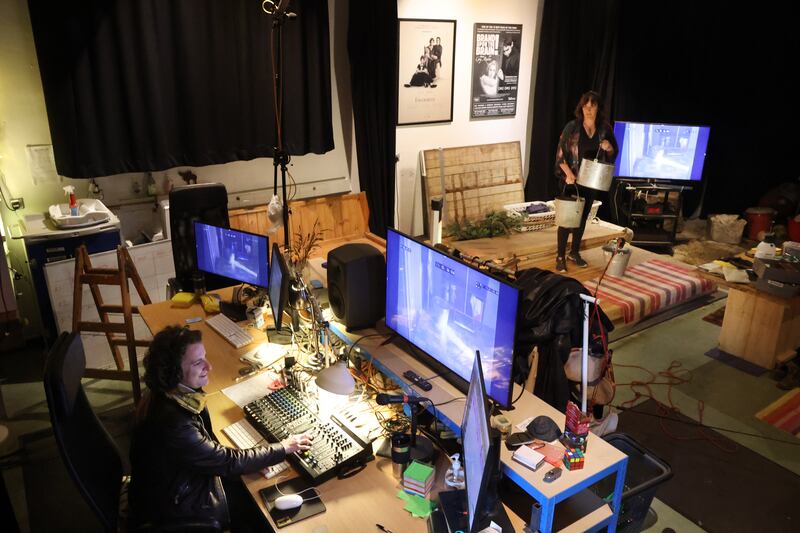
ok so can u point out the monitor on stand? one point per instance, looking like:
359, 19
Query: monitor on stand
473, 509
237, 255
278, 293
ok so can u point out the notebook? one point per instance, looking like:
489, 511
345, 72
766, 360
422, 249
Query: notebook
529, 457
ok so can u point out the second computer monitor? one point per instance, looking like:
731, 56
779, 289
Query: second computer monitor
234, 254
279, 277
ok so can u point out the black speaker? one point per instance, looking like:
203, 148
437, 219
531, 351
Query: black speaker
357, 284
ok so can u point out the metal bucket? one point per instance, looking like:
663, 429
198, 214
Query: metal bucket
569, 210
619, 262
595, 175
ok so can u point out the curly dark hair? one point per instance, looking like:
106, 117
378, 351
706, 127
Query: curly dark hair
593, 97
162, 362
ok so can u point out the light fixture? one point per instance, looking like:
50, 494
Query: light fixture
336, 379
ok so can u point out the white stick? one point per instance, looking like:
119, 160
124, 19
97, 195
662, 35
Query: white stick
585, 350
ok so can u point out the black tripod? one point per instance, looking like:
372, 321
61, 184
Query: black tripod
280, 158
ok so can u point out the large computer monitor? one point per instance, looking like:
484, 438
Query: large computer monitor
234, 254
476, 438
448, 309
279, 277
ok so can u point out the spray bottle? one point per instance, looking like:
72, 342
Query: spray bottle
454, 477
73, 202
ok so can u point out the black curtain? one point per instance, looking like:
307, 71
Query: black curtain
577, 51
372, 48
143, 85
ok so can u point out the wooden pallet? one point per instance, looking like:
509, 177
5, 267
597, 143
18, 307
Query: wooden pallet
476, 180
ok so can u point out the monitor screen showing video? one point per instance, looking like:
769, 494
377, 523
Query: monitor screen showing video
449, 309
235, 254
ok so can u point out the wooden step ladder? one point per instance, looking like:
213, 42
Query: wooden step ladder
117, 333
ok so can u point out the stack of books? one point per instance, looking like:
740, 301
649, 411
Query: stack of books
418, 479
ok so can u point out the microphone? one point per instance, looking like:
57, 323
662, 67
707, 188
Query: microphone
386, 399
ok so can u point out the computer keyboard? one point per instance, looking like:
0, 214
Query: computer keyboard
243, 434
229, 330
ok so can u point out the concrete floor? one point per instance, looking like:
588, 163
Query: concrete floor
684, 339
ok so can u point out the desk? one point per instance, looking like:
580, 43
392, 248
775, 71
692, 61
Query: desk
579, 509
357, 503
353, 504
758, 327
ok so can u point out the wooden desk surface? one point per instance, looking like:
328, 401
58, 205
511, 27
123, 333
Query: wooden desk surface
353, 504
600, 455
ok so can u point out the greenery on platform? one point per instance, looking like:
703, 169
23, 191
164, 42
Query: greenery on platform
495, 223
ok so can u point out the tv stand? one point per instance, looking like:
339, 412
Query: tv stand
647, 220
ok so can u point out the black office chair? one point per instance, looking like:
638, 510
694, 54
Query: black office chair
203, 202
88, 451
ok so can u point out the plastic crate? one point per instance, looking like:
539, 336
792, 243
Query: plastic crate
643, 476
535, 222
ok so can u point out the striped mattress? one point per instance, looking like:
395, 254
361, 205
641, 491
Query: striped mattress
649, 287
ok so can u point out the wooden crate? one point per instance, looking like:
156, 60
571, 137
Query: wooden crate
477, 179
343, 218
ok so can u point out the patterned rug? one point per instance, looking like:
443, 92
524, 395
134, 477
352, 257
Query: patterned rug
784, 413
650, 287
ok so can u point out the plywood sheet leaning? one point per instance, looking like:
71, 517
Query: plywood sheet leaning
477, 179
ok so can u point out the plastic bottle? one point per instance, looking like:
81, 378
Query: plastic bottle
454, 478
73, 202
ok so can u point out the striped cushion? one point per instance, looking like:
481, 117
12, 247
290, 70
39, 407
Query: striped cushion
650, 287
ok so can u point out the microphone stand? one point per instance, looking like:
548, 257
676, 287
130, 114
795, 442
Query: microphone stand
280, 158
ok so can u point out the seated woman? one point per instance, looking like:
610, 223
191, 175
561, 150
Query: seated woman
421, 77
489, 79
178, 468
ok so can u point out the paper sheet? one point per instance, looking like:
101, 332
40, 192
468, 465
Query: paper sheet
250, 389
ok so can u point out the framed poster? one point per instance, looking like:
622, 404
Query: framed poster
495, 70
426, 58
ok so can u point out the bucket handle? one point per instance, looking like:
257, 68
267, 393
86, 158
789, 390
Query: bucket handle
577, 190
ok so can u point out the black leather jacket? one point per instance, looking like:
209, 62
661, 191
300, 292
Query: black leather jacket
176, 464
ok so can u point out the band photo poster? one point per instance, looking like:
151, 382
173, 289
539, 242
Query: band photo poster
426, 59
495, 70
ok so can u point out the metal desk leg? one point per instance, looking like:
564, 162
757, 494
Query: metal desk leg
619, 487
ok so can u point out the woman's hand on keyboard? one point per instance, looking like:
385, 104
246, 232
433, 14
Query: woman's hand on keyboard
296, 443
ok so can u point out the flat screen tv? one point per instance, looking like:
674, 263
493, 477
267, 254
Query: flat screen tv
448, 309
660, 152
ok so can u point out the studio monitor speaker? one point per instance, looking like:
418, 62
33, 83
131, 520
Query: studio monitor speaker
357, 284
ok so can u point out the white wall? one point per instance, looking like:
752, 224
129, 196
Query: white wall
463, 131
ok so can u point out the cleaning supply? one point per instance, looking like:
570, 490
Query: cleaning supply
454, 477
73, 202
766, 248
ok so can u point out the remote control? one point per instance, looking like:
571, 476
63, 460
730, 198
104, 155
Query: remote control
416, 380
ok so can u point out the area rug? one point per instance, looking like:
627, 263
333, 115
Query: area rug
716, 317
736, 362
719, 491
784, 413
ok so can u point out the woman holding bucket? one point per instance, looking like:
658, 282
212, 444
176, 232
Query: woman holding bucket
589, 137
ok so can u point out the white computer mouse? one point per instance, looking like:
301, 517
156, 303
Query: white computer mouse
288, 501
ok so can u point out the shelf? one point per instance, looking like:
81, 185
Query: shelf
653, 217
584, 511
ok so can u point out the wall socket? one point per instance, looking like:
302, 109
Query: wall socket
17, 203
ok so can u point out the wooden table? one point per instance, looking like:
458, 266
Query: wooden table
353, 504
758, 327
579, 509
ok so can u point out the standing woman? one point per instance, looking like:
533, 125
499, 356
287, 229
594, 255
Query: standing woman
588, 136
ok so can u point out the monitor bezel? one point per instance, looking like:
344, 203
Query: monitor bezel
421, 355
640, 179
474, 523
237, 281
277, 315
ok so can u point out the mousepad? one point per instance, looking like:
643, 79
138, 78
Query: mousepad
311, 506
